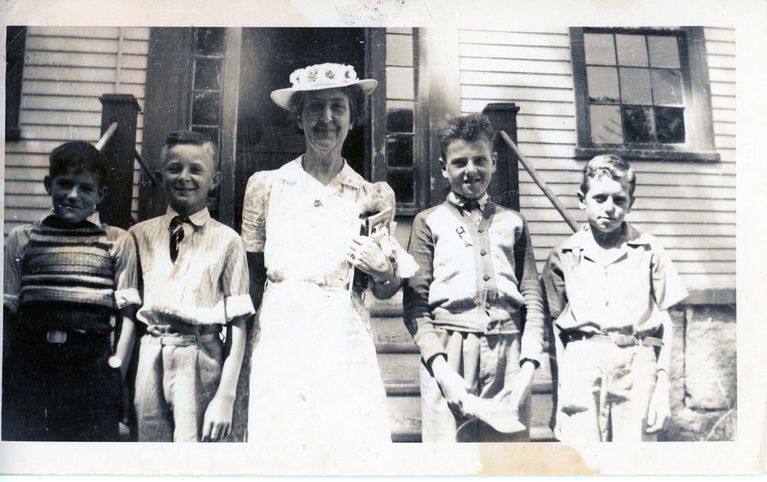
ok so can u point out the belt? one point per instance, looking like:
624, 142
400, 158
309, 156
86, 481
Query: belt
181, 334
620, 339
60, 337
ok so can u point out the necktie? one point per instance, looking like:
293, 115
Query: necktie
176, 235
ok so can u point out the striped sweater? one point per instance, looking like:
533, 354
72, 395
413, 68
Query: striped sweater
67, 276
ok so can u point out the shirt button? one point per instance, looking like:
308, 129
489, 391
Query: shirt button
317, 203
482, 252
486, 277
480, 230
488, 306
607, 303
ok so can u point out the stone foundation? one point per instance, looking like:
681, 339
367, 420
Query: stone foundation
703, 374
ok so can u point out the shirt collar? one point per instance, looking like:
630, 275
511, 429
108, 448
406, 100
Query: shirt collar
584, 240
458, 201
93, 218
197, 219
347, 176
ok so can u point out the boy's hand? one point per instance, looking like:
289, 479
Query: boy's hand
520, 387
660, 406
217, 424
452, 384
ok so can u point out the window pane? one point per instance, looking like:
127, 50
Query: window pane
605, 123
602, 84
664, 51
635, 86
402, 183
638, 124
670, 124
210, 41
205, 108
599, 48
399, 50
211, 132
399, 150
632, 50
399, 83
399, 117
207, 74
667, 86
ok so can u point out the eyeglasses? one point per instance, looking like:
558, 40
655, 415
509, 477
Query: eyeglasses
315, 108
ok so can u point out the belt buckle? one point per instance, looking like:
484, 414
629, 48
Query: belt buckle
57, 337
623, 340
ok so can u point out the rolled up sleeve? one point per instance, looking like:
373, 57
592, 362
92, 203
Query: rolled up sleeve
667, 286
14, 252
125, 262
235, 282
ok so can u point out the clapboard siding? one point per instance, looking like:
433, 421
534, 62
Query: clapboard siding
66, 70
689, 206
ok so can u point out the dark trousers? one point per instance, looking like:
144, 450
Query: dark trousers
60, 391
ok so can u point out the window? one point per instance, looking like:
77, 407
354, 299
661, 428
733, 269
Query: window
393, 59
207, 83
642, 93
207, 92
14, 65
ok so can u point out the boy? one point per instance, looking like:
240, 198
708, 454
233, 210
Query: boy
195, 282
66, 278
474, 308
608, 287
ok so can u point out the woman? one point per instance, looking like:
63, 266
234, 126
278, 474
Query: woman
315, 381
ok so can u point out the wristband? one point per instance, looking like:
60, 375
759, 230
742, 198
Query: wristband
428, 363
535, 363
393, 265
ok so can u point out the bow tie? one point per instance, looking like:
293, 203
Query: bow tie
470, 206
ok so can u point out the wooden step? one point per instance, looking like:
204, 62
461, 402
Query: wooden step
391, 335
386, 308
401, 369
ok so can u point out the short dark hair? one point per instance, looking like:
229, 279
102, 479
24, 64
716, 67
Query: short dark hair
468, 128
187, 137
77, 156
357, 104
609, 165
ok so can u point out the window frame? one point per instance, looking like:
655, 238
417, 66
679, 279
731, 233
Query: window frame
699, 133
376, 62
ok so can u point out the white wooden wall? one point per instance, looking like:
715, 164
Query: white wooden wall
66, 70
690, 206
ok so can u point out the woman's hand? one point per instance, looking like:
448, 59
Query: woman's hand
366, 254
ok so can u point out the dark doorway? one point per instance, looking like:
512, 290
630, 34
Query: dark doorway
266, 135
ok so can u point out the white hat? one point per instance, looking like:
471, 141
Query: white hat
321, 76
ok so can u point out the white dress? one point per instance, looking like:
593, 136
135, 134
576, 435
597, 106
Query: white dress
315, 383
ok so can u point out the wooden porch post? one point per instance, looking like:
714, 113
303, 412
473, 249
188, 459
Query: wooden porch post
505, 185
115, 210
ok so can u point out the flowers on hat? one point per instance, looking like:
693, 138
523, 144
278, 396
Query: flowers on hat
327, 74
